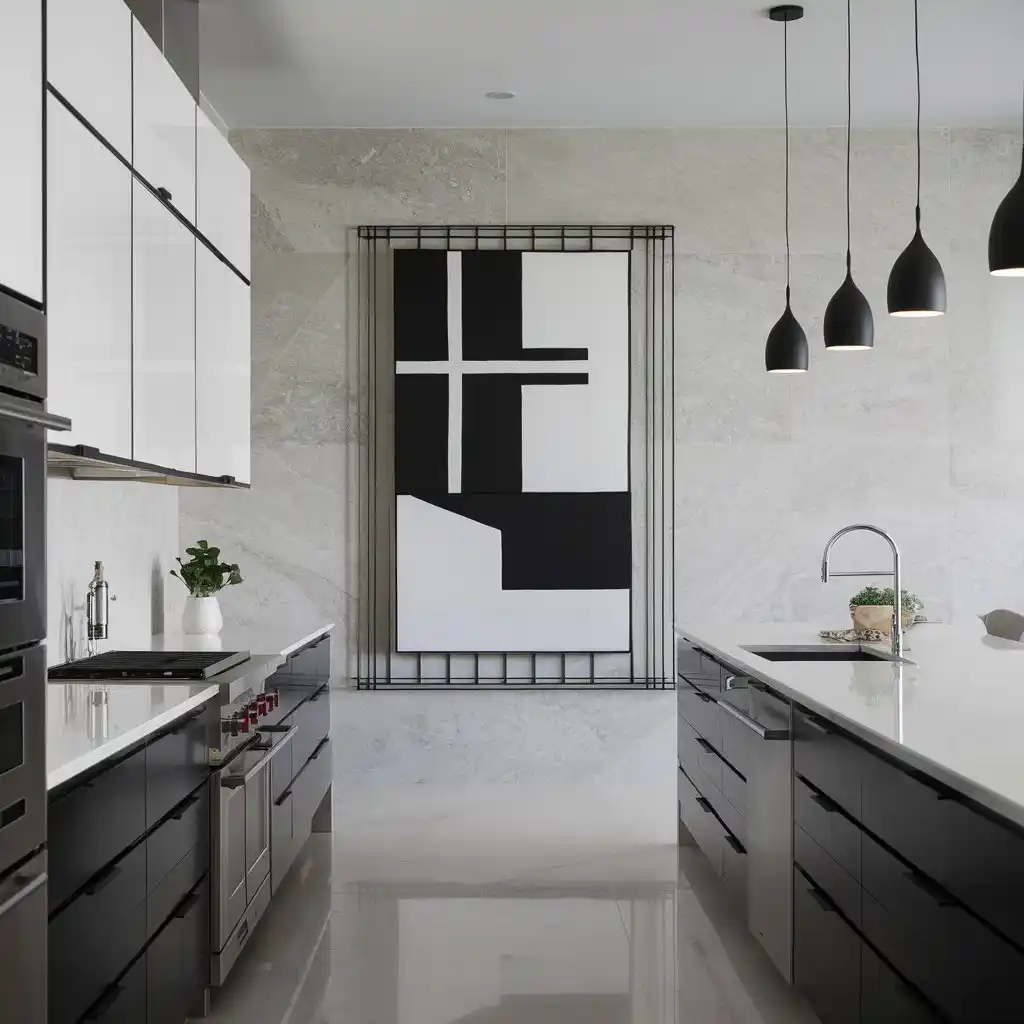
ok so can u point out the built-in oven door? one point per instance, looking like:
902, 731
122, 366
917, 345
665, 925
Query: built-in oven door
23, 979
22, 530
22, 754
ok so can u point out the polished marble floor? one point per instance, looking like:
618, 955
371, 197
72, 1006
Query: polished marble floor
499, 906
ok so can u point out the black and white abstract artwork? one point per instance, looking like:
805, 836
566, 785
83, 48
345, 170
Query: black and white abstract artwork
512, 451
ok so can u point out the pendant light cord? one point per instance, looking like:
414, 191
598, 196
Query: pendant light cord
785, 94
849, 122
917, 65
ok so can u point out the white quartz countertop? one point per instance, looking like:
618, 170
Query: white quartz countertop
955, 711
265, 638
87, 723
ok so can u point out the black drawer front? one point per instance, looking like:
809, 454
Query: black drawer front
842, 888
701, 711
699, 668
187, 827
96, 936
313, 718
176, 764
723, 787
731, 815
123, 1002
828, 760
819, 816
965, 969
826, 955
180, 880
93, 823
701, 822
886, 998
177, 962
976, 859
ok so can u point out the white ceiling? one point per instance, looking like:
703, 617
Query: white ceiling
400, 63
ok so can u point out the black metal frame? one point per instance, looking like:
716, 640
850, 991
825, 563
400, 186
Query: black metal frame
650, 662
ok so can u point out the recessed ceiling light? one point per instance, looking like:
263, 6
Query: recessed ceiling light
500, 94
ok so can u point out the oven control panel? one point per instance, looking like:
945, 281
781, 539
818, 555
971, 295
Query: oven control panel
19, 350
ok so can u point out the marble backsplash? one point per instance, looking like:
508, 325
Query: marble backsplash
920, 435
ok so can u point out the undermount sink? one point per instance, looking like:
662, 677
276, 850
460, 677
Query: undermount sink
820, 654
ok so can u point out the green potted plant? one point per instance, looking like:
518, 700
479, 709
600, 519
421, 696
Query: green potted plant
205, 575
872, 608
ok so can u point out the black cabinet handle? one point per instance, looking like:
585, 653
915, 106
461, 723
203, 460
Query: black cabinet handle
186, 905
102, 880
185, 806
830, 806
106, 1001
705, 746
821, 899
815, 725
283, 798
735, 843
319, 749
705, 805
705, 697
929, 888
164, 194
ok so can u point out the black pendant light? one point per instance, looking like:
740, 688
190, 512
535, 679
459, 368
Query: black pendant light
786, 348
917, 286
849, 325
1006, 237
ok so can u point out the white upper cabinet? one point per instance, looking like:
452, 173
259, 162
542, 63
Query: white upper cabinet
222, 369
89, 289
163, 336
165, 125
89, 62
21, 129
222, 199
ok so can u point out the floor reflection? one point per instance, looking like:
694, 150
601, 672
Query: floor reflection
626, 937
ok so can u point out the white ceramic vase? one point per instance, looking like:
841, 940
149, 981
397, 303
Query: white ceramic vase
202, 616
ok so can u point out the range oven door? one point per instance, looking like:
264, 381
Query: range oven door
242, 838
22, 754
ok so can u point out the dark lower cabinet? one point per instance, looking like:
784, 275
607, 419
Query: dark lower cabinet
129, 930
826, 955
123, 1002
886, 998
177, 959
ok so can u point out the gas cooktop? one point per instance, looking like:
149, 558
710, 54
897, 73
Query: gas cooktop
149, 665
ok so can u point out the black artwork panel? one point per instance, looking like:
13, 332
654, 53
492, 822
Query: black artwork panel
421, 433
492, 428
577, 541
492, 305
421, 304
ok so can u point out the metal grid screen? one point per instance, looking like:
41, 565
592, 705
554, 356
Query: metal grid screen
650, 661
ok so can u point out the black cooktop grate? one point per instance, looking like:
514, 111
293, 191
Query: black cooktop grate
150, 665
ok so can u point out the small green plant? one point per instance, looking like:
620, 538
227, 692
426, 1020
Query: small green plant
884, 595
205, 574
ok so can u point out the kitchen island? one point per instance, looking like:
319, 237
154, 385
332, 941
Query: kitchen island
169, 832
868, 814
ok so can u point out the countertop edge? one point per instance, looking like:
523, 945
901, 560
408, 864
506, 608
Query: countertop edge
116, 745
307, 640
760, 669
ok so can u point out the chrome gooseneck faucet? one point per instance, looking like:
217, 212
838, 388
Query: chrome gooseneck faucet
897, 604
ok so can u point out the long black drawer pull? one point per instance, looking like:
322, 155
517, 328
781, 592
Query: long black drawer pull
821, 899
185, 806
705, 805
735, 843
830, 806
187, 904
106, 1001
319, 749
929, 888
283, 798
705, 746
705, 697
102, 880
816, 726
